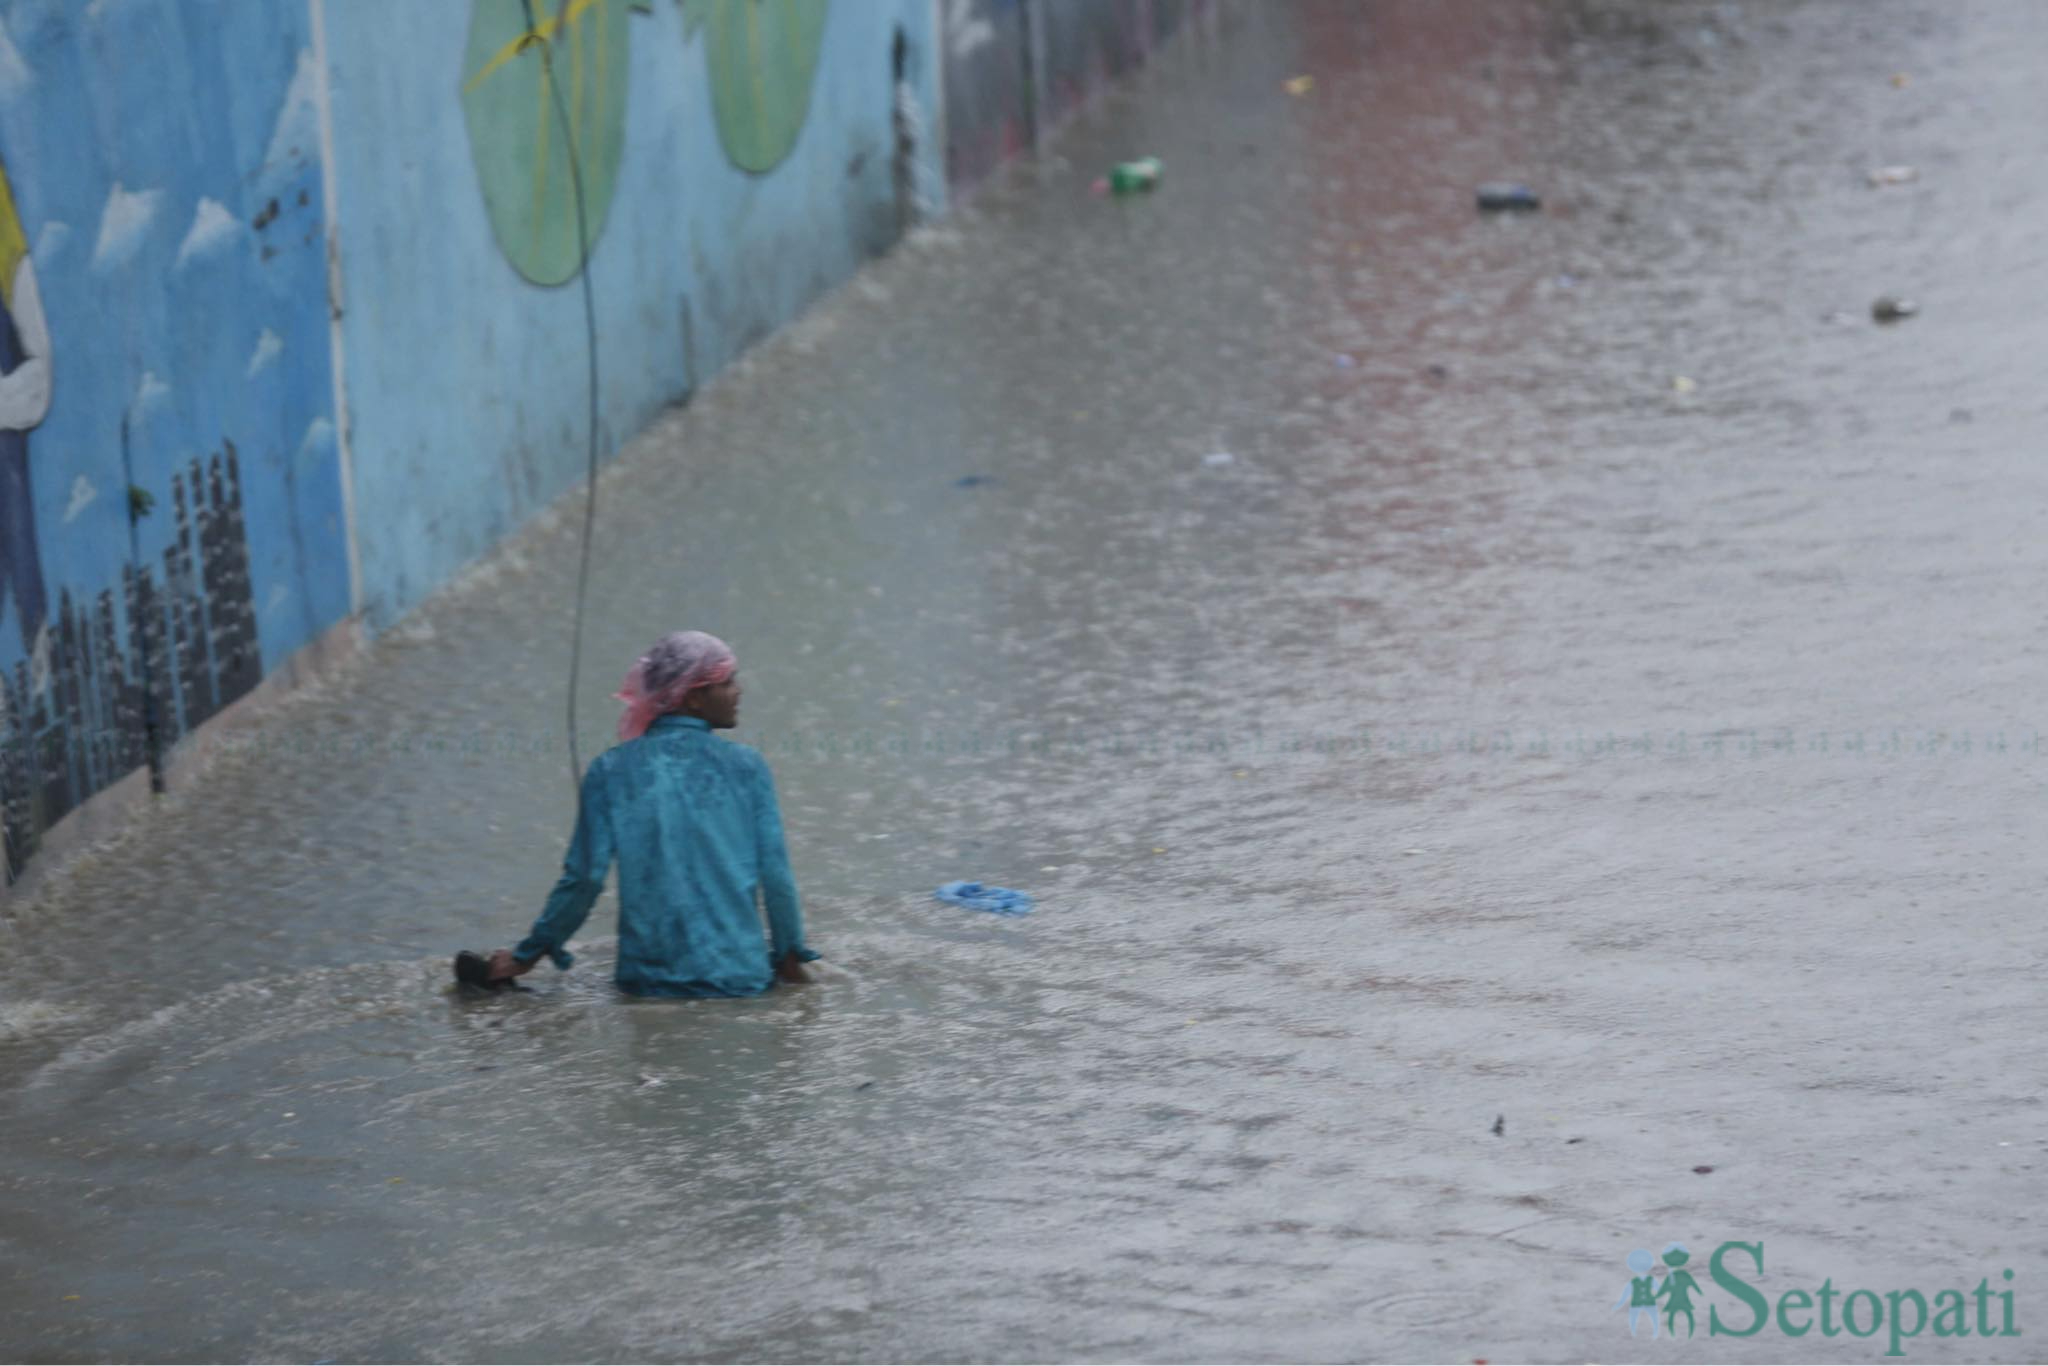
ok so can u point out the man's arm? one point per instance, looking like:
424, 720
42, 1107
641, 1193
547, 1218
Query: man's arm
582, 880
778, 885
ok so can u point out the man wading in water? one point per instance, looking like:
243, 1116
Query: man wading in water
695, 827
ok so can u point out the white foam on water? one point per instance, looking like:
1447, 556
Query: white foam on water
24, 1020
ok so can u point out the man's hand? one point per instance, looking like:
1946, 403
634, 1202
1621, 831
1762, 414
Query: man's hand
791, 969
503, 965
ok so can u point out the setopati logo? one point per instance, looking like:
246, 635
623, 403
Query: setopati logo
1652, 1282
1662, 1291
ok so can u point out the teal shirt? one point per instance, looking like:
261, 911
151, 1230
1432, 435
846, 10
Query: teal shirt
697, 832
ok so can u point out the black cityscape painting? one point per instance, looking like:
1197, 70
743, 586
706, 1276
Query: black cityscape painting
110, 691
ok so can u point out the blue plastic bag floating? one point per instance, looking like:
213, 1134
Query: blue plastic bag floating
979, 896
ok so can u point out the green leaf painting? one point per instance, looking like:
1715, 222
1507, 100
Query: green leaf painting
761, 55
516, 134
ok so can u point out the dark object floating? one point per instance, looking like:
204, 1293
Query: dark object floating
1500, 1125
1439, 372
973, 481
1890, 310
1575, 1140
1502, 196
473, 971
1701, 1171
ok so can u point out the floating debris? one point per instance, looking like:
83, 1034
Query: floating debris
980, 896
1504, 196
1131, 177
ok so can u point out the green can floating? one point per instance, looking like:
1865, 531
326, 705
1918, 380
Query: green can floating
1131, 177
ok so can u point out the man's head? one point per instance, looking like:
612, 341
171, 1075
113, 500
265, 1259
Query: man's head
718, 703
687, 672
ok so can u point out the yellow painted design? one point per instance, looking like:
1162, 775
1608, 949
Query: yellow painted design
13, 241
544, 31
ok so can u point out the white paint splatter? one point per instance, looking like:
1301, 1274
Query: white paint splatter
21, 1020
15, 77
213, 227
148, 394
49, 242
297, 130
268, 347
122, 224
319, 439
82, 494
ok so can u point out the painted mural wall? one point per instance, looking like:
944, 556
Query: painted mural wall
737, 159
197, 482
171, 520
291, 315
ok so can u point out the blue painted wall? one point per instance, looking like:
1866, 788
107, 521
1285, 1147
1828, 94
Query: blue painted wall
162, 161
465, 379
182, 507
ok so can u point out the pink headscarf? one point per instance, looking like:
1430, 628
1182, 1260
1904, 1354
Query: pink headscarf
673, 665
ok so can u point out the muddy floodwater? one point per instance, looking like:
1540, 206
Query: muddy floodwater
1523, 728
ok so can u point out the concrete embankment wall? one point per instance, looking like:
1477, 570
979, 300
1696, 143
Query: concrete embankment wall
1015, 68
291, 314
